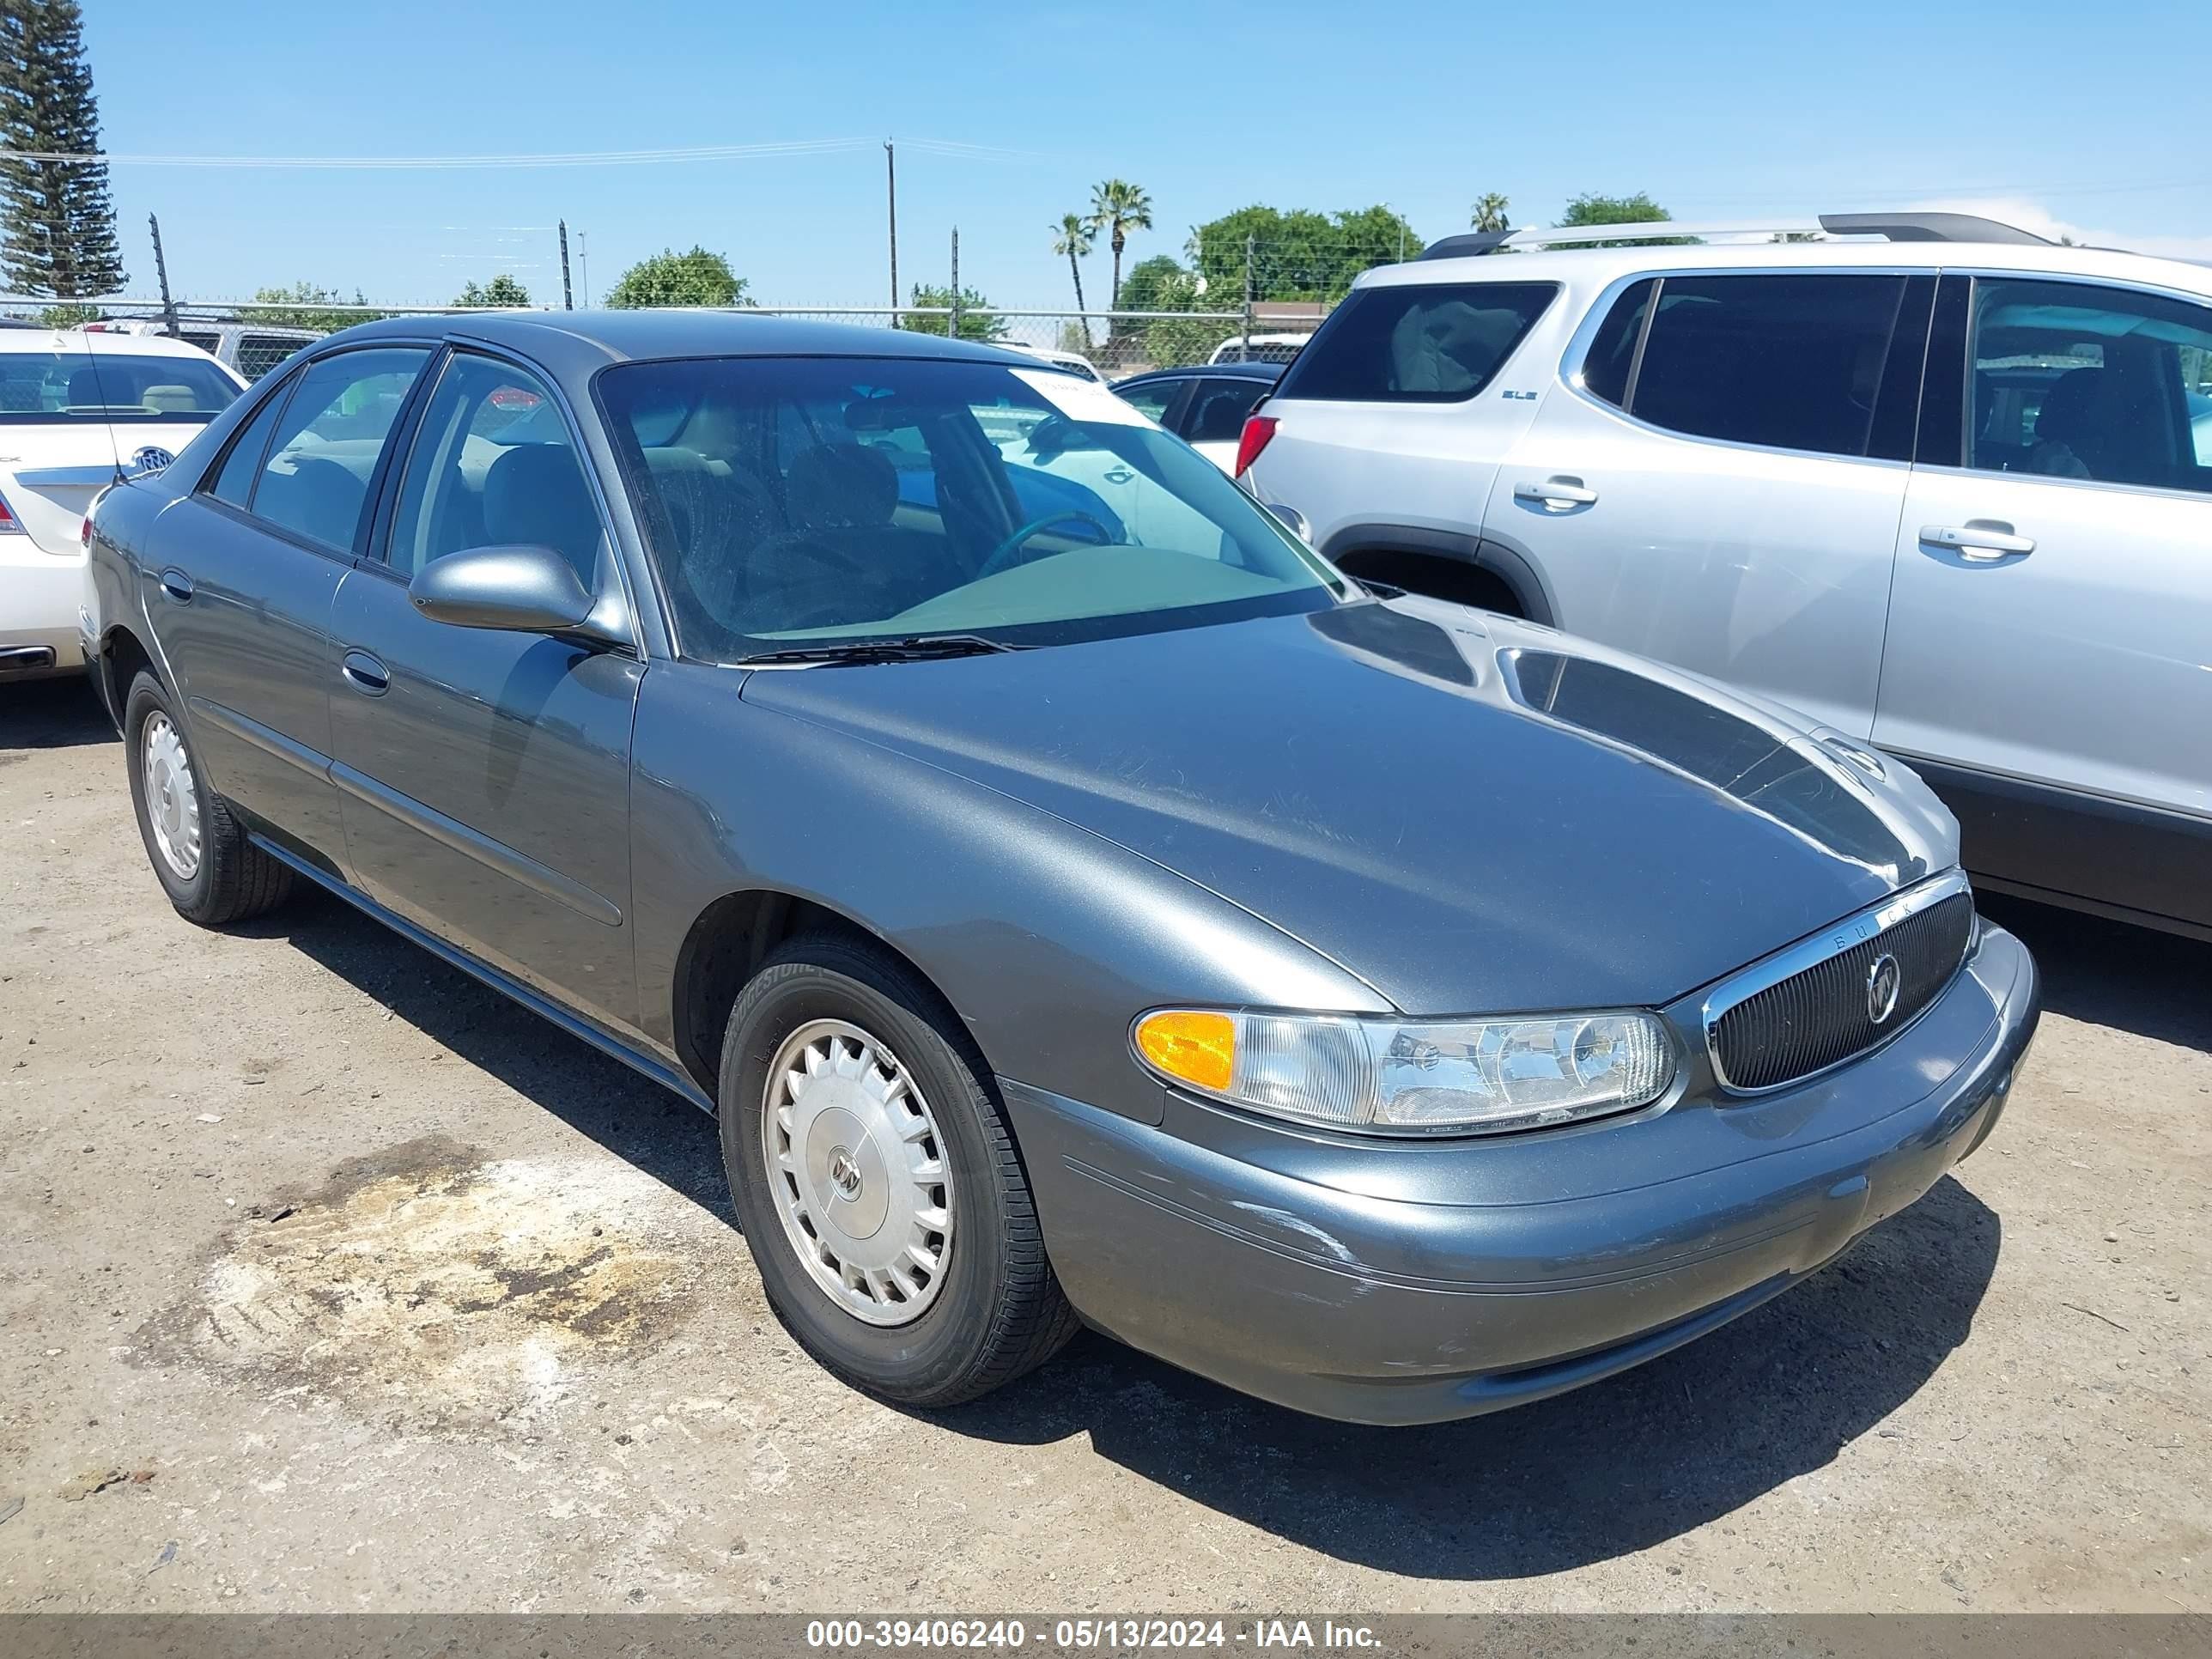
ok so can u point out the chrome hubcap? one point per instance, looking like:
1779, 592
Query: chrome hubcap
857, 1169
173, 798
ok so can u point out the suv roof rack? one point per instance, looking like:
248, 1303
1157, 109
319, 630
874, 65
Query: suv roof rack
1893, 226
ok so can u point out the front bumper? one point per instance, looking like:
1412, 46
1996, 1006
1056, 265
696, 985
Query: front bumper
1414, 1283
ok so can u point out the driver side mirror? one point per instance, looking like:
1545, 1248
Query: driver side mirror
1292, 520
519, 589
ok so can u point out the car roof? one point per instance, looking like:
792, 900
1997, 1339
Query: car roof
1240, 371
110, 344
645, 335
1587, 268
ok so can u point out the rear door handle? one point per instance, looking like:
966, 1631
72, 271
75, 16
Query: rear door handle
177, 585
1984, 541
365, 674
1555, 495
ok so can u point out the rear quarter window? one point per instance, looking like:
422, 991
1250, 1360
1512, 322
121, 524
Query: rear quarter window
1438, 344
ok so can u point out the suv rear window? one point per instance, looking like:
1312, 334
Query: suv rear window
1403, 344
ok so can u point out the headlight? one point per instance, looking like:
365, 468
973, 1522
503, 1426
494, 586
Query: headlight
1412, 1077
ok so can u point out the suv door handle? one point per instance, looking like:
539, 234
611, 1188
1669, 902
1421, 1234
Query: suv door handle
1984, 541
1555, 495
365, 674
177, 585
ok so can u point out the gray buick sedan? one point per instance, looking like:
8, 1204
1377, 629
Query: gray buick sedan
1078, 901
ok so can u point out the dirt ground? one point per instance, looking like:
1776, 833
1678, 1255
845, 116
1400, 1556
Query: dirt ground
330, 1280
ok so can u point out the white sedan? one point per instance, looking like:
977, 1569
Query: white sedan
76, 412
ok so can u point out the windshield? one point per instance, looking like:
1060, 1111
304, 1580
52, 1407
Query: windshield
800, 501
44, 387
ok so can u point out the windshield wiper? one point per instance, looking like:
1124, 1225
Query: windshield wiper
901, 648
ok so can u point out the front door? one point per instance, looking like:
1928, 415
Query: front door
485, 775
2049, 653
1719, 485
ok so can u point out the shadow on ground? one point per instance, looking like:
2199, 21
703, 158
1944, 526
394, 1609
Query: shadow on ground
1601, 1472
2106, 973
57, 713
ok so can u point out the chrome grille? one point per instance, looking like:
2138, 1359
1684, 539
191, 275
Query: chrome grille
1783, 1021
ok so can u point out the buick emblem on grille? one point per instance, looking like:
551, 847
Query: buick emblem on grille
1881, 986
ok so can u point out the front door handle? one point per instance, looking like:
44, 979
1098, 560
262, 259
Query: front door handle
1119, 475
365, 674
1984, 541
177, 585
1557, 494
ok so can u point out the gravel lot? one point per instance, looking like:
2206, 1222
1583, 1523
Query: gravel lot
372, 1291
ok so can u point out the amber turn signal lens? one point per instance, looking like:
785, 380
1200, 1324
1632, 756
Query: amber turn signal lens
1190, 1044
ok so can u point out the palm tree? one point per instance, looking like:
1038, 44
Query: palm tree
1072, 238
1119, 207
1490, 213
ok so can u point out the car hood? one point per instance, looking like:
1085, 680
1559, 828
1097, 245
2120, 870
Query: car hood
1469, 814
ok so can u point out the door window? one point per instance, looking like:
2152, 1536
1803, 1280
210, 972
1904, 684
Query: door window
235, 481
2072, 381
1786, 362
1218, 409
329, 439
1153, 398
493, 465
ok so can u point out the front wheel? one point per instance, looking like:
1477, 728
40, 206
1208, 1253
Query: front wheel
212, 873
877, 1182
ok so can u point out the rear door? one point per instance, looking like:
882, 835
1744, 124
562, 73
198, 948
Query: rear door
1400, 409
485, 775
1718, 482
244, 572
2051, 632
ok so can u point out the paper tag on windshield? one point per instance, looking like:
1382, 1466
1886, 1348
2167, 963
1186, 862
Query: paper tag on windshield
1080, 399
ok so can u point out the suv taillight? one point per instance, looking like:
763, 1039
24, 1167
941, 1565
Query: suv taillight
1258, 429
9, 523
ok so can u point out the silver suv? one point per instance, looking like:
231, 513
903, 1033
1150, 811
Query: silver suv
1942, 485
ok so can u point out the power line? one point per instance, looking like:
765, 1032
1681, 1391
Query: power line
551, 159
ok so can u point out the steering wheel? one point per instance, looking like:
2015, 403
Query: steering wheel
1002, 556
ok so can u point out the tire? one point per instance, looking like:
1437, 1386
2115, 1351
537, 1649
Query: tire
992, 1309
221, 878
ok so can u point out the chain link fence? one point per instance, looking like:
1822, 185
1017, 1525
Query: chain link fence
254, 337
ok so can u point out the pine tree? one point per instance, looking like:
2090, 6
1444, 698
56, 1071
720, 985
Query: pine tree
59, 224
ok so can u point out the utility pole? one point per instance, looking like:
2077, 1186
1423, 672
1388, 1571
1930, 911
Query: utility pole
891, 199
1244, 352
584, 264
161, 274
567, 299
952, 323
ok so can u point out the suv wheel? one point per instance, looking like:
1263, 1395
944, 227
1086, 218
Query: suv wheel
876, 1181
212, 873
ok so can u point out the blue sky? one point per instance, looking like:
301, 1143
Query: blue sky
2087, 119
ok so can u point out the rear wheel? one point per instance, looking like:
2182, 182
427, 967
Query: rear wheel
199, 848
877, 1182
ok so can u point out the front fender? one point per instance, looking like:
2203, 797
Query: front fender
1046, 939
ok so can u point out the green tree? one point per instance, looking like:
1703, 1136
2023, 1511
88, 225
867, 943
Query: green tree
978, 320
1489, 212
275, 306
67, 316
1118, 207
1297, 255
501, 291
1072, 237
1148, 278
1591, 209
1173, 342
59, 224
670, 278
